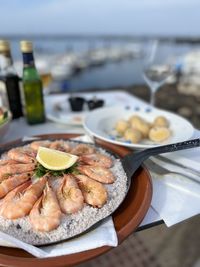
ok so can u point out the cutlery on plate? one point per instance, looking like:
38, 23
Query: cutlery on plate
160, 170
132, 161
178, 164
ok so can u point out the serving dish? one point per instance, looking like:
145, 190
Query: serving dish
126, 218
101, 124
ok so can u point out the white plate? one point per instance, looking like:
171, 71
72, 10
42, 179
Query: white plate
100, 123
64, 115
73, 118
59, 111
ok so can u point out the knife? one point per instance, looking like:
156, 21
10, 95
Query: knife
170, 161
160, 170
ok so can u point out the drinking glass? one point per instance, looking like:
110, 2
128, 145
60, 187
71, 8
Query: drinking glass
157, 66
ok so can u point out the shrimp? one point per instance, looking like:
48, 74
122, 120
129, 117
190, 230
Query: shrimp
36, 144
19, 202
9, 169
7, 162
97, 173
13, 181
94, 193
97, 160
81, 149
69, 195
22, 155
60, 145
29, 151
46, 214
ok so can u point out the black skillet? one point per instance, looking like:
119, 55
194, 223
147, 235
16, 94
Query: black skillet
130, 162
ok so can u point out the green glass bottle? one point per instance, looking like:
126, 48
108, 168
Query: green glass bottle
32, 85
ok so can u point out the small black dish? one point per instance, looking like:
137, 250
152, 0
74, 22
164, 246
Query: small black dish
95, 103
76, 103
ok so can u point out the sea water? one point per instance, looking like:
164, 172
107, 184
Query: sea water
111, 74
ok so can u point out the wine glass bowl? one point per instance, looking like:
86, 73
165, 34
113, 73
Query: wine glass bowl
157, 67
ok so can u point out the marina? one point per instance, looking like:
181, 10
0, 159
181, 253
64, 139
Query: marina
81, 62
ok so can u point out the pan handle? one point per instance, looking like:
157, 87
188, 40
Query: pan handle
132, 161
174, 147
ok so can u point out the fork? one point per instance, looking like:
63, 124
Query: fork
160, 170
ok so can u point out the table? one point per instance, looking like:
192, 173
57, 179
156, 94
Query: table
19, 128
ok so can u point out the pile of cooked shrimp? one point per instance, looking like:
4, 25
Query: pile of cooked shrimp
23, 195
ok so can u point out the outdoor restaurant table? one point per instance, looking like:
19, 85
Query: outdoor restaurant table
19, 128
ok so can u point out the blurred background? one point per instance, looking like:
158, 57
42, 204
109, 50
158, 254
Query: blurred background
92, 44
101, 45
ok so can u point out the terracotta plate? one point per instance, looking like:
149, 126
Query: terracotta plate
126, 218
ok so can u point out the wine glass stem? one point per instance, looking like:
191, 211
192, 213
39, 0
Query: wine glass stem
153, 89
152, 98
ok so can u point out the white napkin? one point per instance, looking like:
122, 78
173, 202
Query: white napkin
103, 235
175, 197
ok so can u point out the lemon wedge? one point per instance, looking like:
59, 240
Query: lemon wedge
55, 160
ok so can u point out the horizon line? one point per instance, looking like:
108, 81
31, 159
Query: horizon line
92, 35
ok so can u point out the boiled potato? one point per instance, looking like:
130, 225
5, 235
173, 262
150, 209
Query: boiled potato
135, 129
135, 119
133, 135
159, 134
141, 126
161, 121
121, 126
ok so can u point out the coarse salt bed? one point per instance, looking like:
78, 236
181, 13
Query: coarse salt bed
75, 224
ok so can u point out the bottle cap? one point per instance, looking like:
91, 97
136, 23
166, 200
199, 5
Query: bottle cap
26, 46
4, 46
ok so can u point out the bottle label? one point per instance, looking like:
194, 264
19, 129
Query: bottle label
28, 59
3, 95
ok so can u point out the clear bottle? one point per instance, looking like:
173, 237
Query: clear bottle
9, 81
32, 86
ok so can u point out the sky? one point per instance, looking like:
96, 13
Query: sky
124, 17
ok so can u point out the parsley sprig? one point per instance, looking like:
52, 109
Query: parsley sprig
41, 171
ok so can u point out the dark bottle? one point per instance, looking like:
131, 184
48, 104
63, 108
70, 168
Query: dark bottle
9, 81
32, 86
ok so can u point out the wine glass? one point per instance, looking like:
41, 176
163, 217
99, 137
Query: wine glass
157, 67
